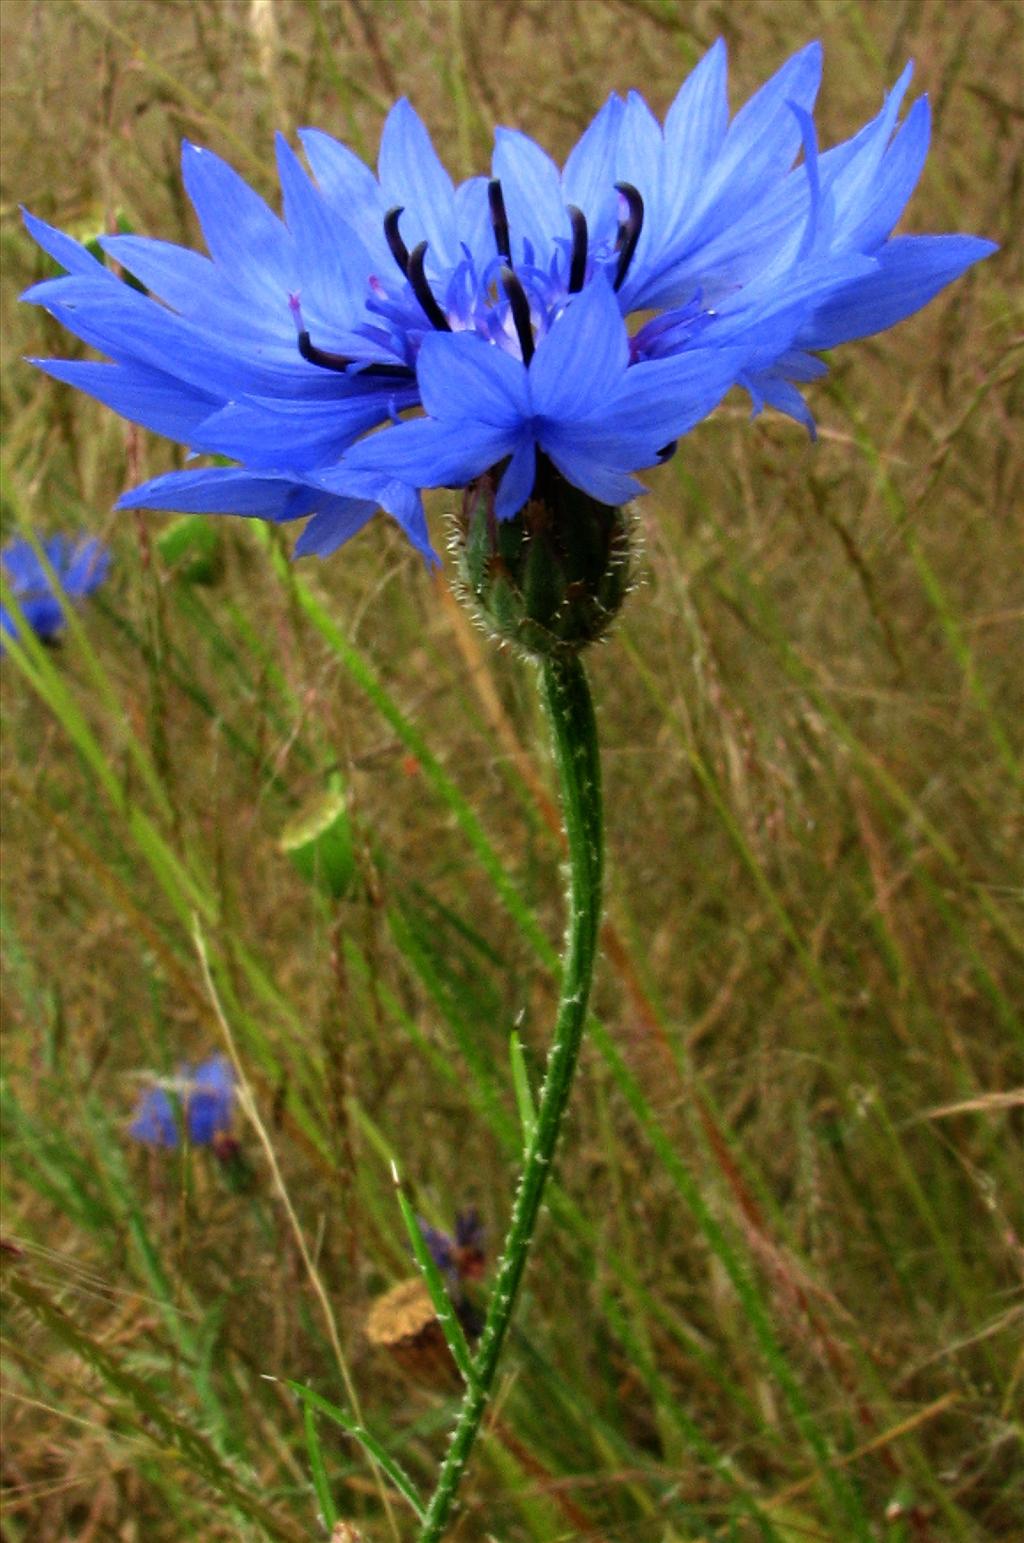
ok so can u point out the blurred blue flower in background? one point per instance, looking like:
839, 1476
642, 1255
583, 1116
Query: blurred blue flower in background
500, 306
155, 1122
461, 1255
79, 567
207, 1098
210, 1106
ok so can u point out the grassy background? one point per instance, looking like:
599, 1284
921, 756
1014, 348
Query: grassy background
777, 1293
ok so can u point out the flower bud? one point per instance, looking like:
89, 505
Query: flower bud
552, 578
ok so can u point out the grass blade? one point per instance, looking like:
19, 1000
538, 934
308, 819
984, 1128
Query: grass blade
373, 1448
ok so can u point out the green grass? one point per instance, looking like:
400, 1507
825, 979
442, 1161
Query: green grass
776, 1293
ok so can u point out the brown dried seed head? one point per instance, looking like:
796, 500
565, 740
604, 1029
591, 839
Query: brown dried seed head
403, 1323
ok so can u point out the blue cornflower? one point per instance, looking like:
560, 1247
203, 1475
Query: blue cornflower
210, 1107
206, 1095
155, 1123
460, 1256
79, 567
501, 307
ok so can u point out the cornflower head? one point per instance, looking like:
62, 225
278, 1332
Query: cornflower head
558, 329
206, 1097
460, 1255
79, 567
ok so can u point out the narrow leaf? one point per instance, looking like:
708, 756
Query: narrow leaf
369, 1443
317, 1468
446, 1315
521, 1084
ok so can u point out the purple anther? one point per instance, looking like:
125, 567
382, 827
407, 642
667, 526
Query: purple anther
422, 290
520, 312
399, 250
629, 231
499, 219
341, 363
578, 265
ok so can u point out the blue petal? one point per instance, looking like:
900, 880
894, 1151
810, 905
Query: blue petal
441, 1248
758, 150
350, 188
462, 377
43, 614
910, 271
182, 278
812, 236
194, 286
22, 568
243, 236
695, 129
602, 482
130, 328
532, 192
398, 499
269, 434
870, 219
69, 253
745, 182
770, 317
851, 167
638, 154
639, 160
769, 389
657, 402
472, 213
225, 490
405, 505
412, 175
333, 264
211, 1101
517, 482
157, 401
764, 137
589, 175
427, 454
663, 398
336, 522
582, 357
154, 1121
78, 568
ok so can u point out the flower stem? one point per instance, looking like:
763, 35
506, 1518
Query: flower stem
574, 736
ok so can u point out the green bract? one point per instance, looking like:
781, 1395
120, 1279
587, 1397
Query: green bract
552, 578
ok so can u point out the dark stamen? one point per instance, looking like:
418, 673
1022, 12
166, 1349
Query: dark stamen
499, 219
667, 451
422, 290
578, 266
520, 312
399, 250
629, 231
341, 363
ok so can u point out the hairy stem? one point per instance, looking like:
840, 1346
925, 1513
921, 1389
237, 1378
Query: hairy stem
574, 736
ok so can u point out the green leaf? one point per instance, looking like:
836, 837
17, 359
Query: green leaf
447, 1317
521, 1084
317, 1468
369, 1443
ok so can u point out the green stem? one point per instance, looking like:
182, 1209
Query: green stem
574, 736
